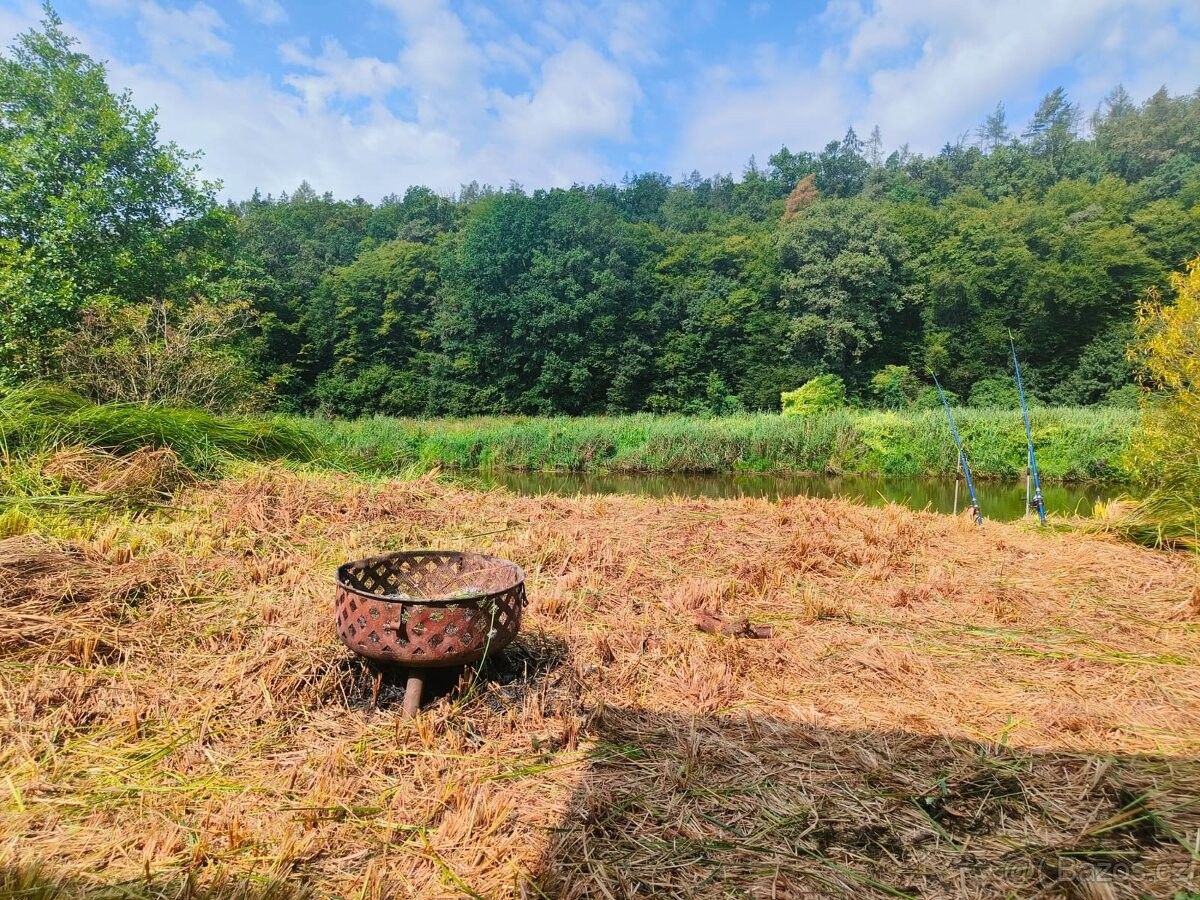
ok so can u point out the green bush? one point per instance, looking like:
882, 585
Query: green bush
1127, 396
995, 390
895, 387
173, 354
929, 398
820, 394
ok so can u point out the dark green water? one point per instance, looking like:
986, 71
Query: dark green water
999, 500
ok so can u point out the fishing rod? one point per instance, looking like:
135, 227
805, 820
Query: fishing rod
1037, 502
976, 514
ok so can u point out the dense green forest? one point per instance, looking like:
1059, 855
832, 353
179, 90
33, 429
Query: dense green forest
702, 294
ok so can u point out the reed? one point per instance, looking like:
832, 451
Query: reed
40, 419
1074, 444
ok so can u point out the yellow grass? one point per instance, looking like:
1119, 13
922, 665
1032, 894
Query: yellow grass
942, 711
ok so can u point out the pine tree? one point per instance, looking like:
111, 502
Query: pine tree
875, 148
994, 131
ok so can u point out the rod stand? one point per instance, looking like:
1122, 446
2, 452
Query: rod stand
412, 693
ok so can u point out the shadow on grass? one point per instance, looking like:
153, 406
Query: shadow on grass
503, 679
711, 806
683, 806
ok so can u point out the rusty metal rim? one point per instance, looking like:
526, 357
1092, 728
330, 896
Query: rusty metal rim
441, 601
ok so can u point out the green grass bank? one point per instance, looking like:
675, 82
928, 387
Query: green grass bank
1073, 444
44, 419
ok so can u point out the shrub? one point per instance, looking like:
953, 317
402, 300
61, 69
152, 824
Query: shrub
161, 352
995, 390
818, 394
1127, 396
896, 387
929, 398
1167, 451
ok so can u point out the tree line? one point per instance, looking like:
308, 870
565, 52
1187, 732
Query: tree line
702, 294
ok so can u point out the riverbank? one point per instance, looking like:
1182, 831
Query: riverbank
999, 500
1073, 444
940, 710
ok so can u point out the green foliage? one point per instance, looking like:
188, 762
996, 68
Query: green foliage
820, 394
1127, 396
997, 391
1102, 371
1073, 444
375, 324
843, 281
929, 398
544, 307
91, 203
896, 387
711, 294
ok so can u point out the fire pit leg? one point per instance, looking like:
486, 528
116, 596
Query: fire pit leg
412, 693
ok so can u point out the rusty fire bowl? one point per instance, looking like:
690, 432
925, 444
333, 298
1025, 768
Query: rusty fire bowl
429, 608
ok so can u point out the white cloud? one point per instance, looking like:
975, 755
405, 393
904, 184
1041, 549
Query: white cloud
339, 76
785, 102
636, 30
265, 12
513, 53
927, 71
441, 63
256, 135
538, 91
456, 126
178, 36
970, 56
581, 97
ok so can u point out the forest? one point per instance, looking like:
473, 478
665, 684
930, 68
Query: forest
701, 294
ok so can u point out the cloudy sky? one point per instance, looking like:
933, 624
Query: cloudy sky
365, 97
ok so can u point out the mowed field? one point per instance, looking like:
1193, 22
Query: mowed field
942, 710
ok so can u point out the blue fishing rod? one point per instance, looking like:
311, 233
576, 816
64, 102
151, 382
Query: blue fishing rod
1037, 502
962, 455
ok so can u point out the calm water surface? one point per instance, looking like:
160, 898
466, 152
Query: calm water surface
1000, 500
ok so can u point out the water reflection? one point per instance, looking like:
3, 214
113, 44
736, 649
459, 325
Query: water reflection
1000, 500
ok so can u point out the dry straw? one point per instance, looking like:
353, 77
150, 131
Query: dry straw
942, 710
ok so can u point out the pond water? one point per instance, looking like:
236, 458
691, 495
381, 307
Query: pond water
1000, 500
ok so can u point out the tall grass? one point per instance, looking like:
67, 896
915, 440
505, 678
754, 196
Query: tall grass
41, 419
1074, 444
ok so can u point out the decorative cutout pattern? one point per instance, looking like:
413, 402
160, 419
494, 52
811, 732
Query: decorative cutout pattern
429, 607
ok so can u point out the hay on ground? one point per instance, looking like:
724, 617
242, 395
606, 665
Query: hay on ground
941, 710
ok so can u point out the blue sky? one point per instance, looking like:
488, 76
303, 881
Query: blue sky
365, 97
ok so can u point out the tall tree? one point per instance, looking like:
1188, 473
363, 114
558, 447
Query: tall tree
92, 203
874, 148
994, 131
841, 169
374, 331
1053, 128
843, 279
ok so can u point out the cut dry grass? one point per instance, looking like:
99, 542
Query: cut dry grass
944, 710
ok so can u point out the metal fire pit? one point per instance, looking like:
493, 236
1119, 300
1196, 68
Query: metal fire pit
427, 609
